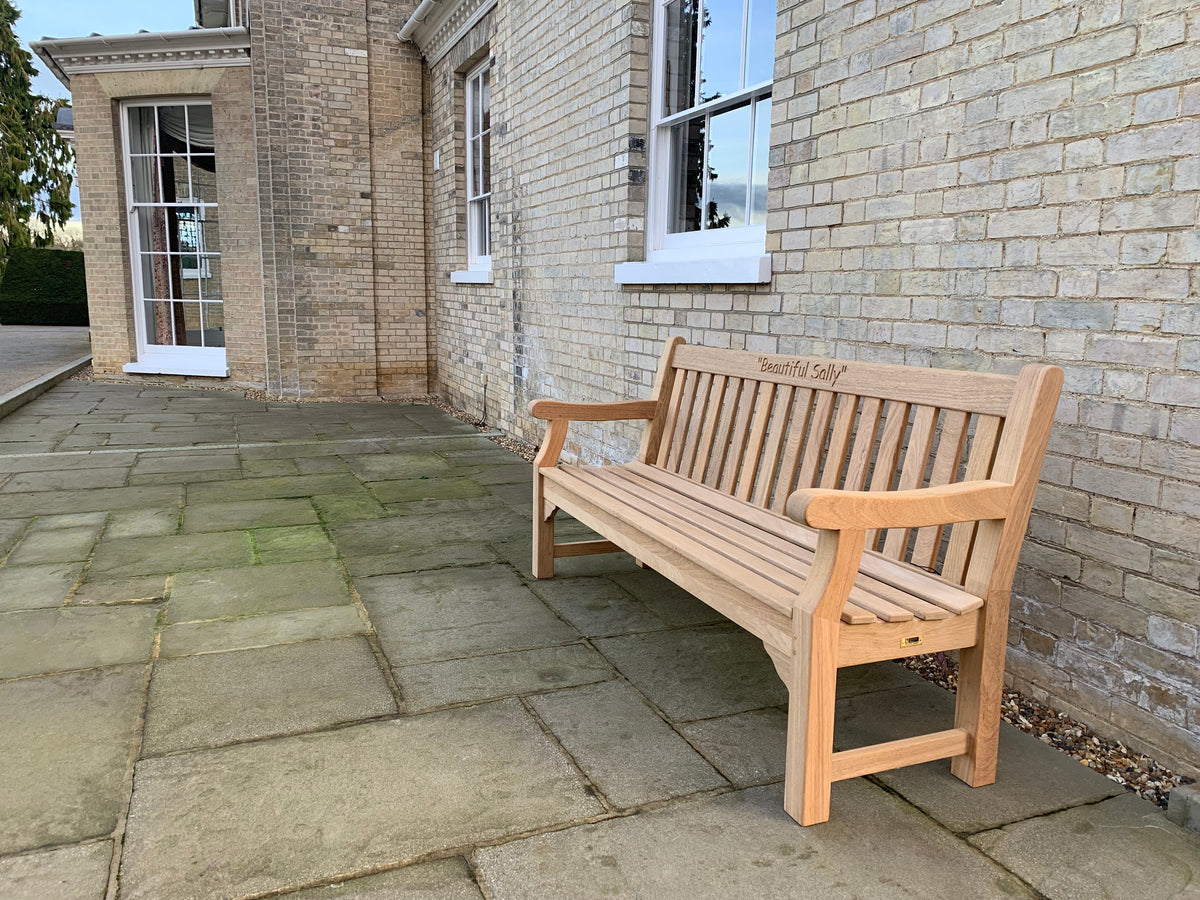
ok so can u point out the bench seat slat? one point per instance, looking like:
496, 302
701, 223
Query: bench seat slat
868, 593
924, 585
757, 584
887, 602
778, 581
769, 550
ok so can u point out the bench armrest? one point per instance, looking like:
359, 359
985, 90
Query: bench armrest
592, 412
966, 501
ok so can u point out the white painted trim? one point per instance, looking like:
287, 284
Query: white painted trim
448, 45
176, 367
197, 48
728, 270
472, 276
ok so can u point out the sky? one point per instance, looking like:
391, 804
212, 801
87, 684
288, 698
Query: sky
79, 18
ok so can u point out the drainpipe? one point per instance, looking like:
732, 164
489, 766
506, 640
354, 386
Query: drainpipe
420, 14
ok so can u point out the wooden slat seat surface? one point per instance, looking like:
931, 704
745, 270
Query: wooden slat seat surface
732, 529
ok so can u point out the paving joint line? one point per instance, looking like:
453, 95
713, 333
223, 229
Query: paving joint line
192, 448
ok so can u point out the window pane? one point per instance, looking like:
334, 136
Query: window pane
485, 163
728, 168
200, 129
682, 21
213, 317
479, 214
762, 146
143, 172
687, 161
143, 135
760, 46
721, 56
473, 117
485, 99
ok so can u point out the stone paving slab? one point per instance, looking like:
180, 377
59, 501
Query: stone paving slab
623, 746
219, 698
60, 545
405, 534
171, 553
37, 641
384, 467
425, 489
743, 845
37, 587
698, 673
747, 748
597, 606
65, 743
447, 879
96, 500
10, 532
248, 514
261, 631
275, 488
293, 543
452, 613
1032, 779
136, 523
136, 589
79, 872
1121, 849
254, 590
430, 685
419, 560
67, 480
374, 795
55, 462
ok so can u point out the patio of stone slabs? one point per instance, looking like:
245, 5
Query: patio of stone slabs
257, 649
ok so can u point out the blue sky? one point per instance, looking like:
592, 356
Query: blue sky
78, 18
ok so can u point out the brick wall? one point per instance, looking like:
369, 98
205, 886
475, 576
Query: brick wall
336, 108
954, 183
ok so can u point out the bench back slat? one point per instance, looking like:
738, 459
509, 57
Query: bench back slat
862, 452
946, 461
773, 452
755, 452
758, 427
979, 466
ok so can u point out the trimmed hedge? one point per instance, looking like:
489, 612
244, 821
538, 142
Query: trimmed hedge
43, 287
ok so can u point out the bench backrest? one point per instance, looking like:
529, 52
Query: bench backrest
760, 426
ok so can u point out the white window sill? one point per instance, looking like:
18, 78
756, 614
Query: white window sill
755, 269
472, 276
176, 368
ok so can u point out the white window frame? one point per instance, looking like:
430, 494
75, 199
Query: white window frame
720, 256
159, 359
479, 205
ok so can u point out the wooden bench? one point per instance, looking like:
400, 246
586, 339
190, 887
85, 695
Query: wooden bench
811, 502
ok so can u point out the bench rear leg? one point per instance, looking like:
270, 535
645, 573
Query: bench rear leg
543, 539
812, 688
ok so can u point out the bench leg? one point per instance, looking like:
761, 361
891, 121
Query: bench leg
812, 685
977, 709
543, 540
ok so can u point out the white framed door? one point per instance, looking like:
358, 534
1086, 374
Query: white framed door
174, 236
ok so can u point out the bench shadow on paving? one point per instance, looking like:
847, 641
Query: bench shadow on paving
307, 657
